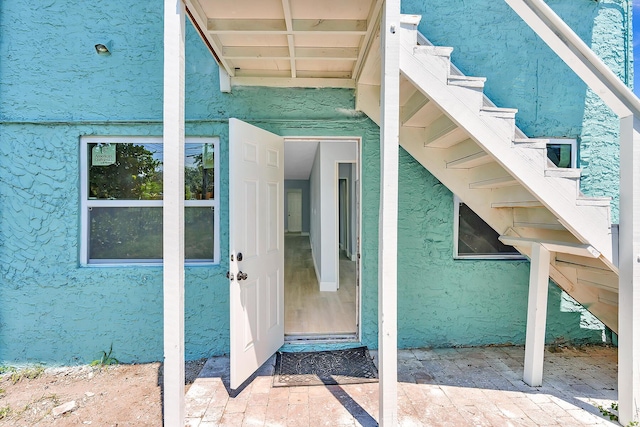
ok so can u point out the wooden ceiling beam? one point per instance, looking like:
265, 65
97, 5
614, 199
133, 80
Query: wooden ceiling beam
279, 26
286, 7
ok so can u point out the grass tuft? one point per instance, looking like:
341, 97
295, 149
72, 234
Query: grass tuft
30, 373
4, 412
106, 359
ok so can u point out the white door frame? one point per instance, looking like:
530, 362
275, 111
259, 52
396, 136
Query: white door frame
343, 219
358, 213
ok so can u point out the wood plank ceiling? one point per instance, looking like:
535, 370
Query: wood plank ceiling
288, 42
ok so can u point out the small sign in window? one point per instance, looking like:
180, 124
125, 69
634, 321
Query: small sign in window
103, 155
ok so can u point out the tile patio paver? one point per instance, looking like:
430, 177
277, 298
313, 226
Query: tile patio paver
449, 387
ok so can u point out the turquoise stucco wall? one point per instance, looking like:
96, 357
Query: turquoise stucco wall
54, 311
490, 40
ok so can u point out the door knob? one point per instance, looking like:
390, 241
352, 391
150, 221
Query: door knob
242, 276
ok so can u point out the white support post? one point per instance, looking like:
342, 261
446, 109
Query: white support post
173, 212
388, 228
225, 80
629, 264
536, 315
595, 73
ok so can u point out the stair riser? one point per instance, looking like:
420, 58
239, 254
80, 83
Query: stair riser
472, 97
439, 66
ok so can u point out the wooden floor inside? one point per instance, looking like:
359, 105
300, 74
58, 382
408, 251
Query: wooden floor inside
307, 311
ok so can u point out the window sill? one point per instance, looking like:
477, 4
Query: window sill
146, 264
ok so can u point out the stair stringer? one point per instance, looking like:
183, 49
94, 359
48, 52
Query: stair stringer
588, 228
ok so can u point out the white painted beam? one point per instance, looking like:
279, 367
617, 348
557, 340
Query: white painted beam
553, 246
388, 233
536, 315
173, 212
319, 82
373, 21
225, 80
286, 7
629, 264
368, 101
279, 26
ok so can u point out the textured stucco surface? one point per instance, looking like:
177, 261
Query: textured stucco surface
54, 311
490, 40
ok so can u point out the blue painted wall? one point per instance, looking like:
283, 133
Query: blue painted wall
54, 311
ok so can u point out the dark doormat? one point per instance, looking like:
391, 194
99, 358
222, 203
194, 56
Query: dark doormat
335, 367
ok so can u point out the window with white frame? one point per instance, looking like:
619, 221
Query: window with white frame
475, 239
121, 198
563, 152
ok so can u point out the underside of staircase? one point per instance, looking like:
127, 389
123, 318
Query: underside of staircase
475, 149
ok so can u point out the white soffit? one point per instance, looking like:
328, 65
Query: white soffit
298, 158
304, 43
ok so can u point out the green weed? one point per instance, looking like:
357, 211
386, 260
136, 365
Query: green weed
106, 359
4, 412
4, 369
612, 414
30, 373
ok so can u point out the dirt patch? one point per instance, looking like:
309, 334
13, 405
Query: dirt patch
111, 396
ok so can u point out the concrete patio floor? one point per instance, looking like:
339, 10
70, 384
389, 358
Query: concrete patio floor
441, 387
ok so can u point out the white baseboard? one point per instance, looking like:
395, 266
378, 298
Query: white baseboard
328, 286
302, 233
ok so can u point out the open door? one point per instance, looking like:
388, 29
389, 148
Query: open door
256, 247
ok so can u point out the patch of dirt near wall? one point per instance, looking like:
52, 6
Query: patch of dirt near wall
117, 395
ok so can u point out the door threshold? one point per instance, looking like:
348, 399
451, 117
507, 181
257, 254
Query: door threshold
320, 338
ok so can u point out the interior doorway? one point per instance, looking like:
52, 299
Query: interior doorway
294, 210
321, 286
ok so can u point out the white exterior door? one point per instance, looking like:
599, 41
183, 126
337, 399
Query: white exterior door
294, 207
256, 247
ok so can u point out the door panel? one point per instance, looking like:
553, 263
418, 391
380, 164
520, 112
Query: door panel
256, 243
294, 207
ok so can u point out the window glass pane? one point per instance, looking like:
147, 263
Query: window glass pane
125, 171
476, 237
559, 154
136, 233
125, 233
199, 171
198, 233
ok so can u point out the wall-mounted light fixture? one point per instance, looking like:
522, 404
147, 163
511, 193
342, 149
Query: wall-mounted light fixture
102, 49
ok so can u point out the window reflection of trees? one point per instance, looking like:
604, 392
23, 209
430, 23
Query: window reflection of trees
135, 175
135, 232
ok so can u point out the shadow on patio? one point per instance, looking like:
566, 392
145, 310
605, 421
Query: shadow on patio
456, 387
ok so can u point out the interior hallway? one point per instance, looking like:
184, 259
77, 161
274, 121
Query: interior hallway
307, 310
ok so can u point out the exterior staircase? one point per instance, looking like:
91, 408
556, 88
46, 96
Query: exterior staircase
476, 150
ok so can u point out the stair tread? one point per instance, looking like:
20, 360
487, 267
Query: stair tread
502, 181
533, 143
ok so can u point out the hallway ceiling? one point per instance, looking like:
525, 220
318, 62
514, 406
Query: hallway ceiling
305, 43
299, 156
